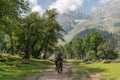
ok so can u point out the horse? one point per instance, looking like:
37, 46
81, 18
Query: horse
59, 67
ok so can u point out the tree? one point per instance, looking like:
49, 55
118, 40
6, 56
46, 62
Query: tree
39, 33
77, 48
31, 30
68, 49
91, 42
95, 40
101, 55
12, 8
52, 30
108, 51
10, 13
91, 55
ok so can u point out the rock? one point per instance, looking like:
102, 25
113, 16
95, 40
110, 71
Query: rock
88, 62
116, 61
106, 61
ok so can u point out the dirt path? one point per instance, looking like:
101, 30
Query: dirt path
51, 74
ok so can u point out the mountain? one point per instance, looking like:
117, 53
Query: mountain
108, 11
105, 34
70, 19
106, 18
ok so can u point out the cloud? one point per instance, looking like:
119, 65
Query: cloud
88, 0
64, 6
33, 2
94, 8
35, 6
37, 9
103, 1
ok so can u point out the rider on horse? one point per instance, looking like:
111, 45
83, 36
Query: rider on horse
58, 58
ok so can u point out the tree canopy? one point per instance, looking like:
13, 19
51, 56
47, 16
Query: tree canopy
92, 47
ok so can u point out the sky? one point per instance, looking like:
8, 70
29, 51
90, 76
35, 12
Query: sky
65, 6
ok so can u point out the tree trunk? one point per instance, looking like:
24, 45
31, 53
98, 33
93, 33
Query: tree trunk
39, 50
46, 47
33, 45
42, 46
11, 46
27, 52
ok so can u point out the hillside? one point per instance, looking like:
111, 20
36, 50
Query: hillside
69, 20
106, 18
106, 35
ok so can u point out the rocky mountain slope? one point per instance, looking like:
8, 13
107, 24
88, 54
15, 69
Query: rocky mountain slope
106, 18
70, 19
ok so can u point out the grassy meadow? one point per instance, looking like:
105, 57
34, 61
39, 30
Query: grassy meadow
108, 71
15, 68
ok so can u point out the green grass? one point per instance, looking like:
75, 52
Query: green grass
70, 72
108, 71
17, 70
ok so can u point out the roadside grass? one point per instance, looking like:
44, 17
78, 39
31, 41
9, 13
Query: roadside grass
110, 71
18, 70
70, 72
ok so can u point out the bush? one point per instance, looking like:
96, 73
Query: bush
91, 55
2, 60
107, 51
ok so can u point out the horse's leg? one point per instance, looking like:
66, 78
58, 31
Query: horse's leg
58, 68
61, 66
56, 63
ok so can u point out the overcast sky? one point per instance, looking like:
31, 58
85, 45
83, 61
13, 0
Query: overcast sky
64, 6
